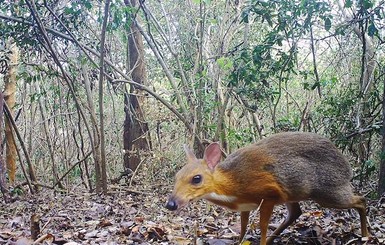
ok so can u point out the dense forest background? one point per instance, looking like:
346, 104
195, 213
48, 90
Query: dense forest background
98, 92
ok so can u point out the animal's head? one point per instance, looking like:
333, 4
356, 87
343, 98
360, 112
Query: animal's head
195, 179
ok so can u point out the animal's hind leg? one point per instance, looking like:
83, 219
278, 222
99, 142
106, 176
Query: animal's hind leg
359, 203
294, 211
342, 200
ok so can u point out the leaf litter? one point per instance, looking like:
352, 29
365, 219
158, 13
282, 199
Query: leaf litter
139, 217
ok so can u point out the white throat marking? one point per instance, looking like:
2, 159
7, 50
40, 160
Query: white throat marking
221, 198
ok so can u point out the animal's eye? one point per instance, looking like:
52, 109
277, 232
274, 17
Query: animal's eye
196, 179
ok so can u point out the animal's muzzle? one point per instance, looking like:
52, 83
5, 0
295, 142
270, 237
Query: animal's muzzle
171, 205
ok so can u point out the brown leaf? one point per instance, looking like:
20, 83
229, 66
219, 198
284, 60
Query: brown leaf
317, 213
104, 223
139, 219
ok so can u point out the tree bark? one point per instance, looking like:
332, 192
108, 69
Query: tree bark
9, 96
31, 170
136, 133
103, 167
3, 179
381, 179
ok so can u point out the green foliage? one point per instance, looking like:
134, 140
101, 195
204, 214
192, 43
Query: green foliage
369, 16
17, 191
273, 60
287, 15
325, 82
120, 15
334, 111
348, 3
225, 63
328, 23
367, 4
269, 64
201, 1
20, 33
76, 172
368, 168
288, 123
73, 15
239, 136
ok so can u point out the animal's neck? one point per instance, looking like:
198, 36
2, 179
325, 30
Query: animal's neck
223, 190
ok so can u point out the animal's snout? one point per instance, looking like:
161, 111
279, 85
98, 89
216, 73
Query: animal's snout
171, 205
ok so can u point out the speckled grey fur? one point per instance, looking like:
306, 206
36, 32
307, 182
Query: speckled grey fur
307, 164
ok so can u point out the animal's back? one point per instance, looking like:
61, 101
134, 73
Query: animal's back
306, 165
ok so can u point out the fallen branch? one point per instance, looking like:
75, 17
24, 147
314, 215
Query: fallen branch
72, 167
128, 173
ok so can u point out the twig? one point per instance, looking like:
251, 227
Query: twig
72, 167
127, 173
160, 99
48, 46
42, 238
46, 223
136, 170
125, 76
360, 131
317, 81
127, 191
195, 232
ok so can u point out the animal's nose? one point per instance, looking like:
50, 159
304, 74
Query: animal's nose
171, 205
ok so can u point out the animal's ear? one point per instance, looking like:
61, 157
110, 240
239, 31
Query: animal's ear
212, 155
189, 154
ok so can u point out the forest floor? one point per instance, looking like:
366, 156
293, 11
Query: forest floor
139, 217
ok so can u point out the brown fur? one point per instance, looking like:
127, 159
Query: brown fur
283, 168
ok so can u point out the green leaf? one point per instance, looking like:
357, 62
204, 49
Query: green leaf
372, 30
88, 5
221, 61
328, 24
245, 15
367, 4
68, 10
225, 63
348, 3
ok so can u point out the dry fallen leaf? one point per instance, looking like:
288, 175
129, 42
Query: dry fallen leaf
104, 223
81, 218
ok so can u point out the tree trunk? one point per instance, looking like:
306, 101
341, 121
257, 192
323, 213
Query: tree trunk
381, 180
103, 167
3, 182
9, 96
136, 133
95, 138
31, 170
